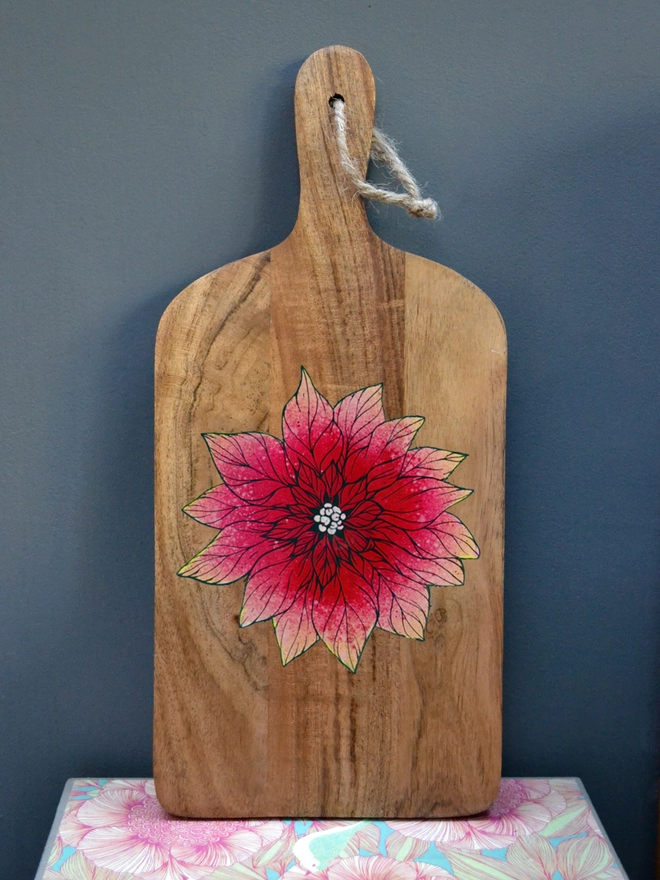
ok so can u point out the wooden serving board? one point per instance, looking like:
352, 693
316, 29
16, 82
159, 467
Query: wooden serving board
415, 731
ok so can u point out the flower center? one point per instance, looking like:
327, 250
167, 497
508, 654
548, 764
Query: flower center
330, 519
148, 821
511, 795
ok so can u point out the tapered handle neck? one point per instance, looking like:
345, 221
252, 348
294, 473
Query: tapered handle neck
326, 193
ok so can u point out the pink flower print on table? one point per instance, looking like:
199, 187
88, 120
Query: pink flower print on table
124, 829
370, 868
523, 806
577, 817
381, 868
580, 858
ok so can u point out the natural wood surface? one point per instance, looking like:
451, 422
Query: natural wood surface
417, 730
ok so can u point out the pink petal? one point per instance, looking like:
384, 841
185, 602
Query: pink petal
252, 465
120, 850
344, 614
524, 819
235, 846
220, 507
268, 830
439, 832
425, 461
229, 557
371, 868
308, 428
174, 870
482, 835
110, 808
72, 830
274, 583
448, 535
533, 788
294, 629
534, 856
358, 414
431, 872
403, 606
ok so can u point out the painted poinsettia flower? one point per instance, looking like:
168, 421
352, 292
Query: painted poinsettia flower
522, 807
124, 829
339, 527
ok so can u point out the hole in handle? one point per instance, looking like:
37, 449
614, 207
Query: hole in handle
336, 97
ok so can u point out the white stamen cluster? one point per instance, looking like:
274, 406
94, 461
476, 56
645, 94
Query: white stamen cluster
330, 519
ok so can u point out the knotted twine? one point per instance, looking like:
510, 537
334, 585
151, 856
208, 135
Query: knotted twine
383, 152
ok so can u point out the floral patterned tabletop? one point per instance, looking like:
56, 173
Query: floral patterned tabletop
538, 829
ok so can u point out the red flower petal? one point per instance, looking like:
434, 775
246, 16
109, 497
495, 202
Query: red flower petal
344, 614
252, 465
445, 537
273, 584
352, 494
220, 507
434, 571
388, 443
325, 560
364, 516
403, 606
311, 483
417, 501
425, 461
359, 413
448, 536
310, 434
229, 557
294, 629
290, 528
356, 540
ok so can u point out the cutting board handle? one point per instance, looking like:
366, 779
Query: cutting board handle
326, 193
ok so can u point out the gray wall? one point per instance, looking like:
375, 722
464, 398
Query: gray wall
145, 143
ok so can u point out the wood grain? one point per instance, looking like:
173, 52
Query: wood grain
416, 731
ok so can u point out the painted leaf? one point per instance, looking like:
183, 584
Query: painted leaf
279, 854
534, 855
367, 838
399, 847
583, 858
573, 820
56, 852
78, 867
472, 866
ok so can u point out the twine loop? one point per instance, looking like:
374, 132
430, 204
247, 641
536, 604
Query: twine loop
383, 152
